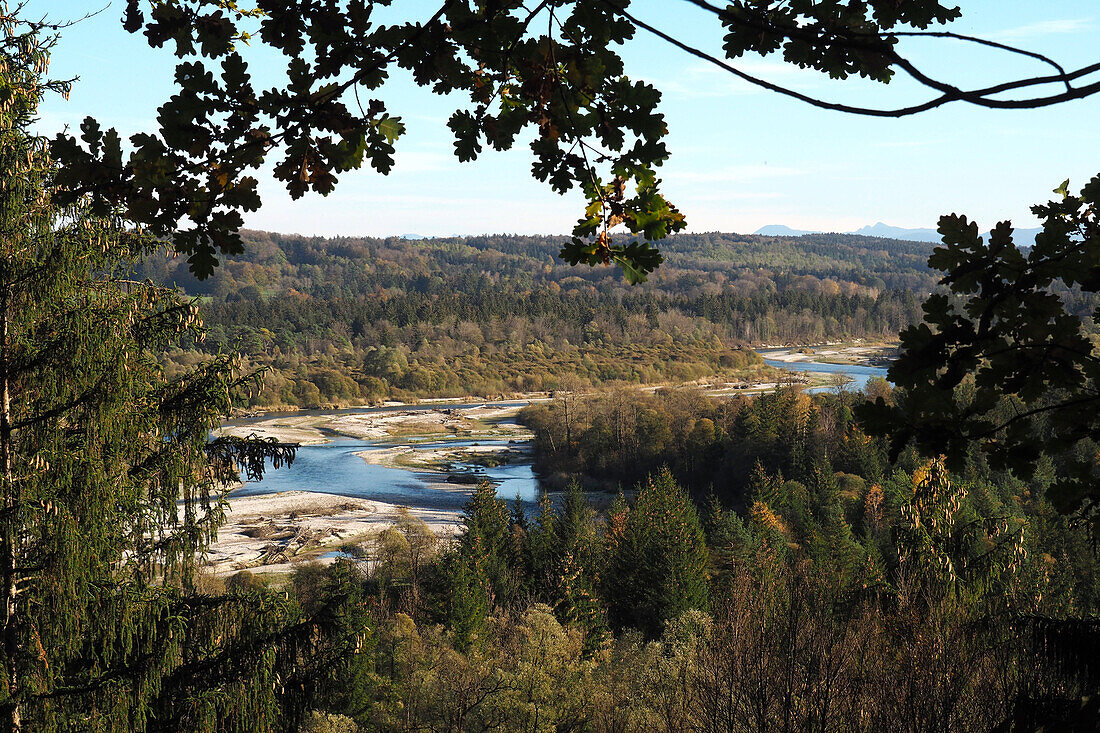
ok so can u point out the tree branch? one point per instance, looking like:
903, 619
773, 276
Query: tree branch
979, 97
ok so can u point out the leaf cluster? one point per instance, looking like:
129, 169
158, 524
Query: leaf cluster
549, 71
1002, 363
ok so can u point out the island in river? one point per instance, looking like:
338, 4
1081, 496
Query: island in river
358, 469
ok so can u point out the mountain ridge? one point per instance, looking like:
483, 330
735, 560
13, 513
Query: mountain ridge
882, 230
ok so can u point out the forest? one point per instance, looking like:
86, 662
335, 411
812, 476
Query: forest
745, 563
348, 321
919, 555
777, 572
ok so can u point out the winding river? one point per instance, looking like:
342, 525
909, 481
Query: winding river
334, 468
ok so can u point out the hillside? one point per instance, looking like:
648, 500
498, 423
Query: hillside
351, 319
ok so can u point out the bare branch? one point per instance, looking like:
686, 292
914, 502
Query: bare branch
949, 93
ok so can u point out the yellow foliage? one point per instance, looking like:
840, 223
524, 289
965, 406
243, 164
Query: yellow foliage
872, 504
763, 515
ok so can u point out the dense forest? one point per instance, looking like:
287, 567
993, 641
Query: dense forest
817, 586
746, 563
345, 320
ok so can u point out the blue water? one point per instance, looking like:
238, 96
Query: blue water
333, 468
859, 374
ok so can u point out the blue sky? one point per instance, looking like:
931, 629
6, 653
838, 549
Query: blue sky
742, 157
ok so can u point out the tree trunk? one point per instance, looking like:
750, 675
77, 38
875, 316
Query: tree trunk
12, 714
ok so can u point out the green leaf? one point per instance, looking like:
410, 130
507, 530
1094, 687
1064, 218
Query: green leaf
392, 128
637, 260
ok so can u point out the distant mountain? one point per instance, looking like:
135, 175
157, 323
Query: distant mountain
411, 236
779, 230
1023, 237
888, 232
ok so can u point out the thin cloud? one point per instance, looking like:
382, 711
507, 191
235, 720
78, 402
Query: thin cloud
706, 81
420, 161
685, 199
733, 174
1043, 28
904, 144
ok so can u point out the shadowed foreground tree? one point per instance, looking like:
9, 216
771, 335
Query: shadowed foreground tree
1006, 360
1006, 366
548, 71
110, 482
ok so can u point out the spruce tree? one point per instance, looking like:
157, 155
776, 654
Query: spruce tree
109, 480
658, 567
480, 570
579, 567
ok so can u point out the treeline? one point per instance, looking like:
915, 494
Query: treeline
352, 266
823, 592
801, 465
345, 320
711, 444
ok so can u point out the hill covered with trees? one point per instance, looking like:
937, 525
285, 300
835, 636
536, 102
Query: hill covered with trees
348, 320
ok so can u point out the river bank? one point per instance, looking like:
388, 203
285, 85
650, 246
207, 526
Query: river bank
312, 427
273, 533
872, 355
832, 366
357, 469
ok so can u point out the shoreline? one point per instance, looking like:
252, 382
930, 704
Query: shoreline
480, 420
422, 404
273, 533
831, 354
276, 532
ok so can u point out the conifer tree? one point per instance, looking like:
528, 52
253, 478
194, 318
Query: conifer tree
578, 563
109, 480
541, 549
728, 541
479, 572
658, 568
467, 599
488, 539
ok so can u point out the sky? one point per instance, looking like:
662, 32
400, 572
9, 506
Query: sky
741, 157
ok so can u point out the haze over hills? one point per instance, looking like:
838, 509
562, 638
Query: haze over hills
884, 231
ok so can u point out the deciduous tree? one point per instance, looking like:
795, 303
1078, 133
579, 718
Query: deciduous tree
1005, 360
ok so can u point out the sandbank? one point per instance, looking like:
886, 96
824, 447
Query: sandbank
274, 532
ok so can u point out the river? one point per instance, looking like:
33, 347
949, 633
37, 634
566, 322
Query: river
858, 373
334, 468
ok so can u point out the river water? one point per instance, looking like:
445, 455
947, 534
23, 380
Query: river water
333, 467
859, 374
